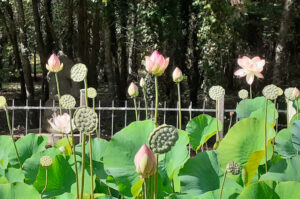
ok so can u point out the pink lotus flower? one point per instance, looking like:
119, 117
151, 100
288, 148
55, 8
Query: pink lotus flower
250, 68
296, 93
145, 162
60, 123
177, 75
53, 64
156, 63
142, 83
133, 90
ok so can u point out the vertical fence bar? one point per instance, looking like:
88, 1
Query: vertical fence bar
125, 113
151, 110
13, 115
112, 118
26, 120
40, 117
99, 116
165, 113
203, 105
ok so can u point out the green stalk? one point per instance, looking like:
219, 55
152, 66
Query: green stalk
250, 91
179, 104
135, 107
230, 122
223, 182
146, 104
287, 113
145, 189
91, 166
82, 165
86, 96
266, 139
94, 108
217, 113
156, 100
46, 183
58, 93
297, 109
12, 136
156, 178
74, 154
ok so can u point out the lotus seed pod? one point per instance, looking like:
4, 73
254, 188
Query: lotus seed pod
91, 92
2, 101
85, 120
67, 101
233, 168
270, 92
216, 92
289, 93
78, 72
280, 91
46, 161
243, 94
163, 138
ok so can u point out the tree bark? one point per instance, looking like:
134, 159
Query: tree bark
280, 66
51, 39
70, 31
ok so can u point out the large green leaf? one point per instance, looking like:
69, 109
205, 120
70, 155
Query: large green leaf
60, 177
284, 145
6, 143
284, 170
27, 146
119, 155
18, 190
202, 174
255, 108
14, 175
200, 129
228, 192
288, 190
181, 196
295, 130
85, 196
259, 190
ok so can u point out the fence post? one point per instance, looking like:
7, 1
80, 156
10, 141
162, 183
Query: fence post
220, 115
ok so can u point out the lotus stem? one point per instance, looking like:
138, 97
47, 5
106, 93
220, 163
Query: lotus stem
223, 182
146, 104
86, 96
145, 189
82, 165
179, 104
287, 113
74, 154
156, 178
135, 108
12, 136
250, 91
58, 93
230, 122
156, 100
266, 139
91, 166
46, 183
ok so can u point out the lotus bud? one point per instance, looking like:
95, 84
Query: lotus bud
145, 162
177, 75
231, 113
233, 168
156, 64
46, 161
142, 83
53, 64
133, 90
296, 93
62, 149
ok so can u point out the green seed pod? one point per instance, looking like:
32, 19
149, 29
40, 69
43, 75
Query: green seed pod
243, 94
78, 72
163, 138
91, 92
270, 92
289, 93
85, 119
67, 101
233, 168
2, 101
216, 92
46, 161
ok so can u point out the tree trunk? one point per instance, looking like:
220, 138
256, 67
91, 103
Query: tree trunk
51, 39
132, 68
70, 31
41, 48
280, 67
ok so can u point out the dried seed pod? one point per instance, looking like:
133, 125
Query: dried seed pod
67, 101
46, 161
233, 168
78, 72
243, 94
270, 92
216, 92
91, 92
163, 138
85, 120
289, 93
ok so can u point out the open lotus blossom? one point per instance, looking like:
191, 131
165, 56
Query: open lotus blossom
133, 90
145, 162
177, 75
60, 123
250, 68
156, 64
53, 64
296, 93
